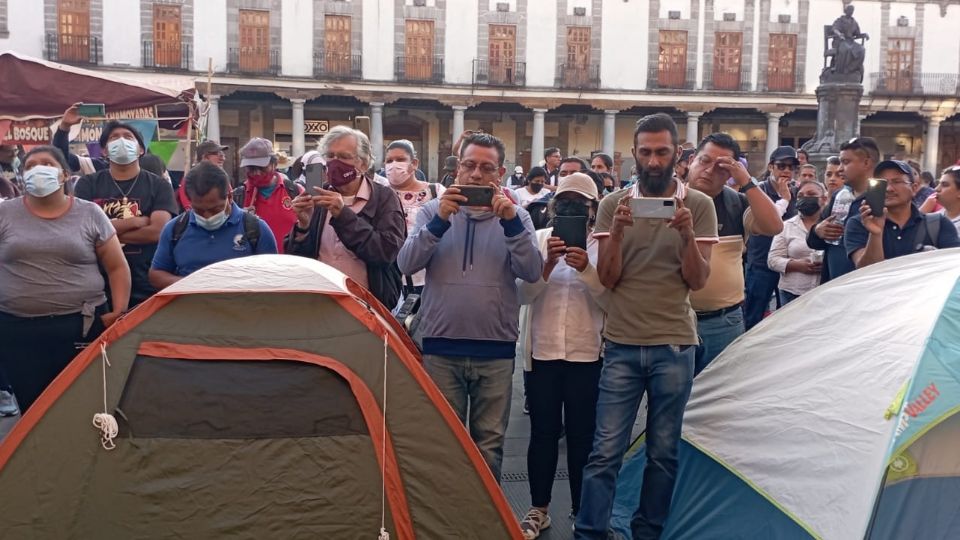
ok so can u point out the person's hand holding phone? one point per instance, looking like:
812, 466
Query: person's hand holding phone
873, 224
576, 258
555, 249
682, 220
622, 218
829, 230
71, 117
450, 203
303, 206
331, 200
503, 207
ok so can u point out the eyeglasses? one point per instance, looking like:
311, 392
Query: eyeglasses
899, 182
781, 166
485, 168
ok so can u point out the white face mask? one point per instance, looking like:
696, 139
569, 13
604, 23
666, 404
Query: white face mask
42, 180
213, 222
122, 151
397, 173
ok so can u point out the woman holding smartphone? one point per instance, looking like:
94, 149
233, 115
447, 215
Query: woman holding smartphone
564, 367
798, 265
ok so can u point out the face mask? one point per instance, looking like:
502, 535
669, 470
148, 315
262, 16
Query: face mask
122, 151
261, 180
42, 180
397, 173
340, 173
808, 206
212, 223
536, 187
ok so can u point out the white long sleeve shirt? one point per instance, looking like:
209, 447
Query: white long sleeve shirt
791, 243
565, 314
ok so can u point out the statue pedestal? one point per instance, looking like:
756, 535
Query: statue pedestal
837, 119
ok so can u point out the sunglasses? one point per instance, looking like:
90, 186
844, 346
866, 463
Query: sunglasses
781, 166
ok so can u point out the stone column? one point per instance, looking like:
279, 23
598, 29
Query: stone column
773, 133
609, 131
213, 118
931, 144
376, 133
458, 113
693, 127
536, 146
298, 145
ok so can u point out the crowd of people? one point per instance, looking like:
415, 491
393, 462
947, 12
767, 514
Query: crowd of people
602, 296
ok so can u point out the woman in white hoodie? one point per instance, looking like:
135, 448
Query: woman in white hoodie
561, 344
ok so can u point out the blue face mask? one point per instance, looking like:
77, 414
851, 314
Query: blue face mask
42, 180
212, 223
122, 151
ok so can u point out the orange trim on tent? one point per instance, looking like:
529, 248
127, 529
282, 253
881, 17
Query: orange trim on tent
73, 370
415, 368
396, 495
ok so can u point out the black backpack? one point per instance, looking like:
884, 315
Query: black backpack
929, 231
251, 229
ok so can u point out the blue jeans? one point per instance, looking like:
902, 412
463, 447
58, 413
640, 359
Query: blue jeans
715, 334
483, 387
787, 297
665, 373
761, 284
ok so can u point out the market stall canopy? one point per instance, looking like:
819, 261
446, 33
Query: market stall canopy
34, 88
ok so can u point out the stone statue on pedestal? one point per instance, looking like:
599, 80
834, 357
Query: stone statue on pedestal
846, 52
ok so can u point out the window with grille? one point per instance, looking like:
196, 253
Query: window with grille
672, 63
898, 70
727, 54
781, 71
167, 35
502, 53
254, 40
73, 30
336, 44
419, 49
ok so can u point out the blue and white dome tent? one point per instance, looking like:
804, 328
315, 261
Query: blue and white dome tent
836, 418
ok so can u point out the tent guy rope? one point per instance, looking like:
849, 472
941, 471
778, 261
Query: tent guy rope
105, 421
384, 535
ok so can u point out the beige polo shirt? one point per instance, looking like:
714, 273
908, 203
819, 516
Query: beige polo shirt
650, 305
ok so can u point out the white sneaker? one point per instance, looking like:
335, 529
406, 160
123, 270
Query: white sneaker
534, 522
8, 406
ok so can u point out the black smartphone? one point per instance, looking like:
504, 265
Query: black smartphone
876, 196
92, 110
477, 195
315, 175
572, 230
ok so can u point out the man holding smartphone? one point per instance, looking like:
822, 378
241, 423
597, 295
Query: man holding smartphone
650, 266
469, 314
900, 229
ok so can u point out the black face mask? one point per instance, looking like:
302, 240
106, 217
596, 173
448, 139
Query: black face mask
808, 206
569, 208
536, 187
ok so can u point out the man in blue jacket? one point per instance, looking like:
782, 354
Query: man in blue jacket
470, 309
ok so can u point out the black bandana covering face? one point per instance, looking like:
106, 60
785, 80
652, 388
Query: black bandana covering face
572, 208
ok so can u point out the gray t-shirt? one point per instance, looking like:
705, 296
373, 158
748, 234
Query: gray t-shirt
49, 266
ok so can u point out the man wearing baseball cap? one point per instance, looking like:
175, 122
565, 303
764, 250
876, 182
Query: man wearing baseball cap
563, 368
517, 178
266, 192
902, 229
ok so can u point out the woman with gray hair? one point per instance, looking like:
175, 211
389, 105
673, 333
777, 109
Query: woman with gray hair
352, 223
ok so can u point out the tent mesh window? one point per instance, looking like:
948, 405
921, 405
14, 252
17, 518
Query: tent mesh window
226, 399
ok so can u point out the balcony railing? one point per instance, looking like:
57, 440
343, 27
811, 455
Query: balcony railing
671, 79
162, 55
915, 84
727, 81
578, 76
72, 48
418, 69
784, 82
499, 73
337, 66
254, 61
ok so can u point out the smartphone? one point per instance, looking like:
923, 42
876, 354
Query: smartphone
876, 196
316, 176
477, 195
92, 110
653, 207
572, 230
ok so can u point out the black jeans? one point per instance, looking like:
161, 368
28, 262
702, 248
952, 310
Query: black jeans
33, 351
561, 395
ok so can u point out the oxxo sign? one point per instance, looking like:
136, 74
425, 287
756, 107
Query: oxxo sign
316, 127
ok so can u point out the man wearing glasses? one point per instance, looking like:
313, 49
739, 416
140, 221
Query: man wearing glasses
761, 282
473, 256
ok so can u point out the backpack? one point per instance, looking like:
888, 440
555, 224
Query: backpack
251, 229
293, 189
930, 231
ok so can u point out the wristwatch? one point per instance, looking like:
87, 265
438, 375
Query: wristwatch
749, 185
